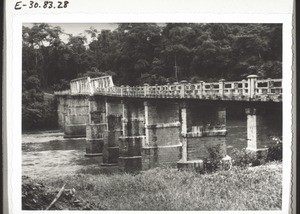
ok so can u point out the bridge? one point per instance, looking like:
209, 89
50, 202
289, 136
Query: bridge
140, 127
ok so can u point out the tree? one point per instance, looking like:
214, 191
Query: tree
32, 100
40, 41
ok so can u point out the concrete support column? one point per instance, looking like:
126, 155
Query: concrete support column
111, 140
162, 144
130, 143
147, 140
94, 139
184, 133
96, 128
113, 133
251, 128
184, 120
254, 134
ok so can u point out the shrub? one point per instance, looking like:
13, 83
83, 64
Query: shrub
213, 162
61, 85
244, 158
50, 116
275, 151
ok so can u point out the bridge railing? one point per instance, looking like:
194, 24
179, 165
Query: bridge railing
237, 90
268, 86
80, 86
211, 89
252, 88
87, 85
100, 82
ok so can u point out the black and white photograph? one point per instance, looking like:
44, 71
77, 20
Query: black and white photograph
148, 109
152, 116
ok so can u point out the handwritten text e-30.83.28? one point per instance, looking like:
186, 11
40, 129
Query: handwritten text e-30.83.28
46, 4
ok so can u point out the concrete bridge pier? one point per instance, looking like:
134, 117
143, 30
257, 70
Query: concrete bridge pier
261, 124
77, 116
203, 129
96, 128
162, 129
113, 132
133, 136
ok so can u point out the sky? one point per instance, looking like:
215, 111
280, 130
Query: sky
79, 28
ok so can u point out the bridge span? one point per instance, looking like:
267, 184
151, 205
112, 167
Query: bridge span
141, 127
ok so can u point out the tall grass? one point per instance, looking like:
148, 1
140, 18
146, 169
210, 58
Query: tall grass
256, 188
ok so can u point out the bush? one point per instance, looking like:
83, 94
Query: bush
214, 162
50, 117
61, 85
38, 111
275, 151
244, 158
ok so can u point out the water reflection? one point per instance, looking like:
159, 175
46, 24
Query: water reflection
236, 135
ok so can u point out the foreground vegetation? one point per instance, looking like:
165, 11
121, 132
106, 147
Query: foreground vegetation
252, 188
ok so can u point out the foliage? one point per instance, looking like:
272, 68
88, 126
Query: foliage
140, 52
244, 158
50, 114
36, 196
170, 189
275, 151
37, 112
61, 85
213, 163
32, 100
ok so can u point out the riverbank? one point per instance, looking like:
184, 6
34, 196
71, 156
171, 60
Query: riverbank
252, 188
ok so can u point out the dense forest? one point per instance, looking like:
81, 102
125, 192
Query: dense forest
136, 53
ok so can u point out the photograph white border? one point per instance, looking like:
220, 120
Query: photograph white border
14, 83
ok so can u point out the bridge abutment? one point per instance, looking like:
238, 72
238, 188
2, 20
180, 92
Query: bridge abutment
77, 116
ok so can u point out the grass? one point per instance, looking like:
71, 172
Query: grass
253, 188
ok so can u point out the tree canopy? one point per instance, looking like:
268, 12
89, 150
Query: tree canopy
141, 52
